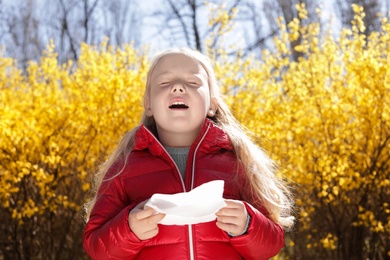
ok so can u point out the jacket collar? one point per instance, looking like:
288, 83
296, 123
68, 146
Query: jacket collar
212, 139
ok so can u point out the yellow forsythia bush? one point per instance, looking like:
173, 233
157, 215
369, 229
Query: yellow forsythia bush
325, 120
58, 122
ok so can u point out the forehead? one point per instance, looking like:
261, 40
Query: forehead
177, 63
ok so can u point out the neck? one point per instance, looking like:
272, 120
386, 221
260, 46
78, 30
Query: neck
176, 139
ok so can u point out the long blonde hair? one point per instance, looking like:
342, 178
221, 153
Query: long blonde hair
263, 185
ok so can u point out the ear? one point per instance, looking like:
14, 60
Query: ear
147, 108
213, 107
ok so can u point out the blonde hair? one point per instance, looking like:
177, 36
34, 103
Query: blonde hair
264, 187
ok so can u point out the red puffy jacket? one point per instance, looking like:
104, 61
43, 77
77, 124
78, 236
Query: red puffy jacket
150, 169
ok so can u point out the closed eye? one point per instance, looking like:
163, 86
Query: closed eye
192, 83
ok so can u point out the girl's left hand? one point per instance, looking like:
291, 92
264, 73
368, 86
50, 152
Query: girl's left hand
233, 217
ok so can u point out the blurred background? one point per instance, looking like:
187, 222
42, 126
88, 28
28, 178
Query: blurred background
309, 79
26, 27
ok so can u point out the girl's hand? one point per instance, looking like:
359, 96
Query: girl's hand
233, 217
143, 222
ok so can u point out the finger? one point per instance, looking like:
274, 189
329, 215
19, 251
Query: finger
229, 228
150, 233
228, 219
233, 208
142, 214
156, 218
236, 212
234, 204
227, 212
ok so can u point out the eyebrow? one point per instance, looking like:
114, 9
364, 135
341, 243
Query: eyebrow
192, 73
162, 74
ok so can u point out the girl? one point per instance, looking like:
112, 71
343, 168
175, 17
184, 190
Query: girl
187, 137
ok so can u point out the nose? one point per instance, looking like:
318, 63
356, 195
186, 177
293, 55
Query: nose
178, 88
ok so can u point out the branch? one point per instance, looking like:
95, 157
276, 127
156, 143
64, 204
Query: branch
65, 29
180, 18
259, 42
88, 13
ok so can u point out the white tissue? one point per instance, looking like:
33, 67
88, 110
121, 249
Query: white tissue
196, 206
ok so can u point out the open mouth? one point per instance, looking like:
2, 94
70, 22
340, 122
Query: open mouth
178, 105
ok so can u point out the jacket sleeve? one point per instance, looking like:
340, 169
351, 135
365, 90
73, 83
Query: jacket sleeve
107, 234
263, 240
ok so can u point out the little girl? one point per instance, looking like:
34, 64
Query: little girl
187, 137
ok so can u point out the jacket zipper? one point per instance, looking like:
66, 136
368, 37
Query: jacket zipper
190, 235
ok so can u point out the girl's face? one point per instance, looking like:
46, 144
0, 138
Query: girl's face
179, 99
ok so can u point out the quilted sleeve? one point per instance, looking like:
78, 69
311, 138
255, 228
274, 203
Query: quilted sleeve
263, 240
107, 234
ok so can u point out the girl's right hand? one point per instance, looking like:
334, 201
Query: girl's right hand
143, 222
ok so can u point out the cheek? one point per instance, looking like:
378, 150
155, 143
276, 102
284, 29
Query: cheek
205, 98
154, 98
